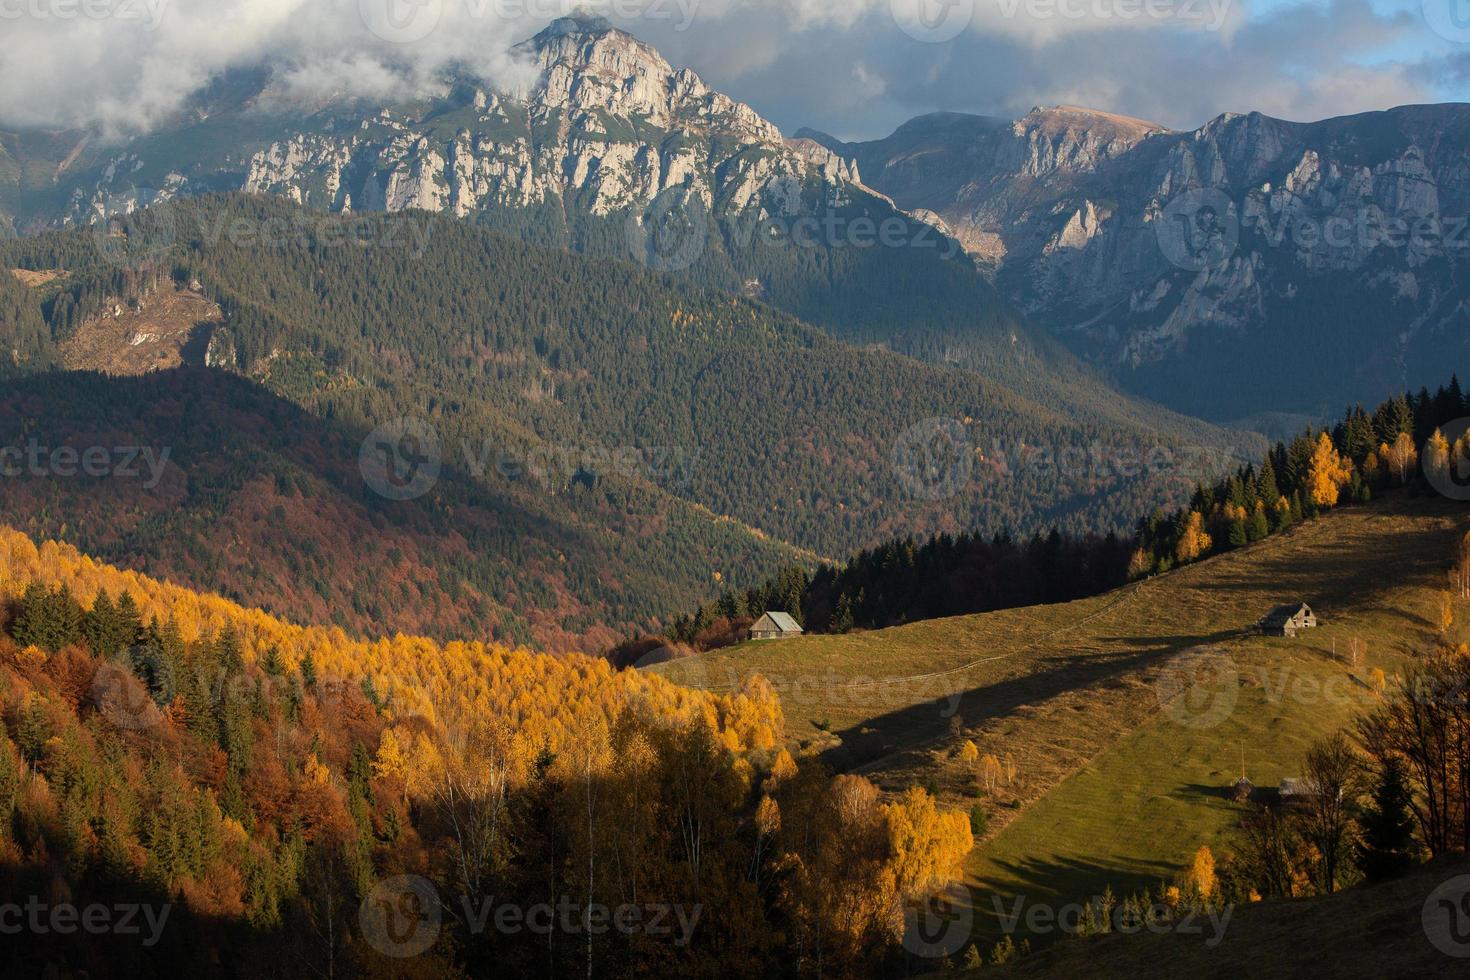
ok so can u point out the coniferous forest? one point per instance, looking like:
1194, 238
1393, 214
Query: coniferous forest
953, 575
577, 404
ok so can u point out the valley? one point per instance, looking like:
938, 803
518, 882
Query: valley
577, 400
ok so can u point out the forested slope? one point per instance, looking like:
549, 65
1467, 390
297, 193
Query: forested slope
285, 801
616, 398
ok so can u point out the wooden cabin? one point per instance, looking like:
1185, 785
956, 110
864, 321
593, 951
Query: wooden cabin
1289, 620
775, 626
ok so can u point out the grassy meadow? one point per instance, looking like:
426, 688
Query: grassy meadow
1125, 717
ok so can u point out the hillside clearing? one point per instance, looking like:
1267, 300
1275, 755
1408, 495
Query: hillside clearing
1109, 787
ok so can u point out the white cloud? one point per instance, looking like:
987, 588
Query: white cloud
128, 70
844, 65
1299, 61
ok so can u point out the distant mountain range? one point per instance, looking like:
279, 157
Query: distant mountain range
1241, 255
1037, 264
1248, 265
613, 152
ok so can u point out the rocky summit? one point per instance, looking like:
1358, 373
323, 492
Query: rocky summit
607, 124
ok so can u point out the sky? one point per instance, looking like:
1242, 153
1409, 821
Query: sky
853, 68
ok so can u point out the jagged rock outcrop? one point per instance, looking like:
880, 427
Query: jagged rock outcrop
1205, 253
608, 125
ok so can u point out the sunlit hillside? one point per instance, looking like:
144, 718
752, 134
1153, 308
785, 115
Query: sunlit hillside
1121, 721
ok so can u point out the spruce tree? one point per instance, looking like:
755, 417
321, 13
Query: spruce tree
1267, 489
1387, 848
1238, 535
100, 625
29, 628
308, 671
842, 616
129, 620
1259, 526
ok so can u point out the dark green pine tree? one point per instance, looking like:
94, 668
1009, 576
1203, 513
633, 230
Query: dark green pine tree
1235, 491
1388, 847
1259, 526
1355, 438
272, 664
1298, 463
99, 626
228, 653
129, 620
1239, 537
153, 667
1393, 416
168, 639
1266, 488
50, 620
841, 616
308, 671
67, 614
30, 627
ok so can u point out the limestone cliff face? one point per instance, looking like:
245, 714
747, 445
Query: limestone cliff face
1100, 226
607, 125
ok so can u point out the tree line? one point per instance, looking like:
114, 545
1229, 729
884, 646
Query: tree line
519, 349
949, 575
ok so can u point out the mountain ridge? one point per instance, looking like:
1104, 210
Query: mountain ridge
612, 150
1077, 225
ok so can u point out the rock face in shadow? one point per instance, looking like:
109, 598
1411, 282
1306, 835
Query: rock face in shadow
1216, 254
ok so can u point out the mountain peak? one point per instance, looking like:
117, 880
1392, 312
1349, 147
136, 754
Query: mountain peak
1060, 117
589, 66
584, 39
578, 23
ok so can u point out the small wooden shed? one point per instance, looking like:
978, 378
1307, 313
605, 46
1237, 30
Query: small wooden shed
1289, 620
775, 626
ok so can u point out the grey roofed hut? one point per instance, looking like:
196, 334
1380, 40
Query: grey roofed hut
775, 626
1289, 620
